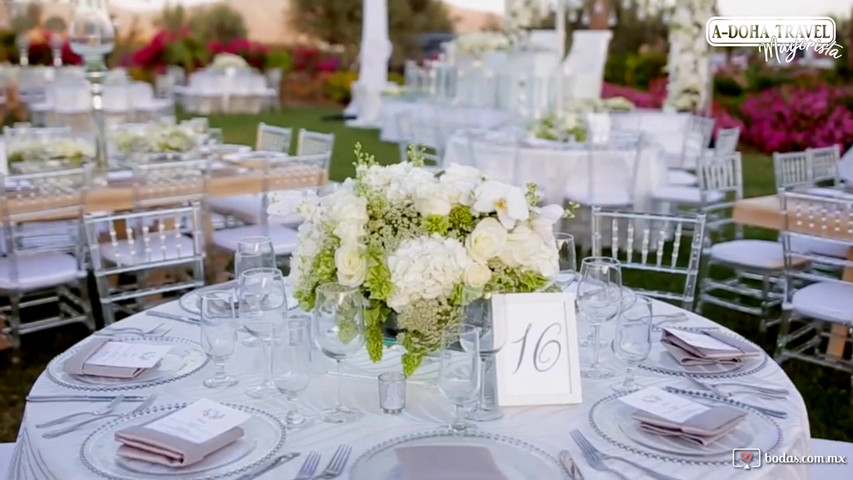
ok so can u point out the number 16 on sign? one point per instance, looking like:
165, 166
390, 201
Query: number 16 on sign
539, 362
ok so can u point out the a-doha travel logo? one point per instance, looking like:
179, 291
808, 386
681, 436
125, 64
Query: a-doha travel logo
776, 37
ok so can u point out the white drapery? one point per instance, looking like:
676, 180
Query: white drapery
373, 70
689, 65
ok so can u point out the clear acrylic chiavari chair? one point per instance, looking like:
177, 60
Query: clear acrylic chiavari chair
139, 243
273, 139
169, 184
792, 169
313, 143
34, 272
641, 241
820, 305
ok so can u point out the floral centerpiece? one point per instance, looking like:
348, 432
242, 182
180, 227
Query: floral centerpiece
617, 104
156, 139
521, 15
228, 61
688, 88
421, 246
560, 127
70, 151
480, 44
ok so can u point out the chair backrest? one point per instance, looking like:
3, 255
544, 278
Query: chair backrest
720, 186
792, 169
312, 143
808, 217
289, 173
655, 233
697, 137
273, 139
825, 164
727, 140
420, 131
143, 241
32, 198
166, 184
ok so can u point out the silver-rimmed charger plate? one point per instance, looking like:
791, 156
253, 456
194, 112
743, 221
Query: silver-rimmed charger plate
660, 361
223, 149
184, 359
191, 301
263, 438
516, 459
611, 419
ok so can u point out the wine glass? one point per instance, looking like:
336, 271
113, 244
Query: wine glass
91, 33
293, 367
492, 339
263, 307
459, 372
218, 334
632, 341
337, 328
587, 341
599, 298
567, 260
253, 252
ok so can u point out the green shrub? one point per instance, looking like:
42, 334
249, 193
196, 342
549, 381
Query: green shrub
641, 69
726, 86
281, 59
337, 86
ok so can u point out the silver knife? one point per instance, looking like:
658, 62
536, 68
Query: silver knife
279, 460
82, 398
569, 464
695, 393
172, 316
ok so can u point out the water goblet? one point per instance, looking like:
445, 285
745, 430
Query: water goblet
459, 372
492, 339
263, 307
599, 299
253, 252
587, 341
567, 260
218, 334
337, 328
632, 341
292, 369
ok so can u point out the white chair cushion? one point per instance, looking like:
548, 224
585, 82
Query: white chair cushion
37, 271
176, 247
6, 451
681, 177
684, 194
820, 246
246, 208
826, 448
283, 238
758, 254
828, 301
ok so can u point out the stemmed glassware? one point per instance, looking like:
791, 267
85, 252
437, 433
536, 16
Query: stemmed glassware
632, 341
218, 334
337, 328
459, 372
253, 252
599, 299
293, 367
567, 260
263, 307
492, 339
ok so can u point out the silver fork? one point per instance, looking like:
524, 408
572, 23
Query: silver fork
336, 465
101, 411
138, 330
309, 466
596, 459
767, 394
62, 431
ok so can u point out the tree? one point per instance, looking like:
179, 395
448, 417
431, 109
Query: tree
219, 23
338, 22
55, 24
172, 18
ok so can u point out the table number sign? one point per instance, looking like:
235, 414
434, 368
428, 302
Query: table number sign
538, 364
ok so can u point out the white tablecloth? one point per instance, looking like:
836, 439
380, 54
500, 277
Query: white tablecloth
559, 172
472, 116
665, 129
546, 427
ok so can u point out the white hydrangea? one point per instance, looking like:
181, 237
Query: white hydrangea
426, 268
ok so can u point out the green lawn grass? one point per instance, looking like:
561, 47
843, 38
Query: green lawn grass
827, 393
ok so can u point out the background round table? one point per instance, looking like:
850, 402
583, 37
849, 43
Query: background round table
547, 427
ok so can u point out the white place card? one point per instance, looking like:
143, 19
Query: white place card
130, 355
664, 404
701, 340
201, 421
538, 364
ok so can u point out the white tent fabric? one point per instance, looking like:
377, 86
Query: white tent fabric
373, 72
584, 66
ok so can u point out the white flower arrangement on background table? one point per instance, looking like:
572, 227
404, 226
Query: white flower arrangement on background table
421, 245
480, 44
156, 138
71, 151
228, 61
570, 124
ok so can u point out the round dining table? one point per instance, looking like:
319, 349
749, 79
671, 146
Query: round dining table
546, 427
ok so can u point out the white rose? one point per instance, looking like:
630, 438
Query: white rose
486, 241
433, 199
477, 274
526, 249
345, 206
349, 232
351, 265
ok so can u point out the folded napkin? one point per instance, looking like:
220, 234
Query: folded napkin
704, 428
717, 347
142, 443
448, 462
76, 364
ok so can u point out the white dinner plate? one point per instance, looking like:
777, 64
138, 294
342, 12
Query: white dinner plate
661, 361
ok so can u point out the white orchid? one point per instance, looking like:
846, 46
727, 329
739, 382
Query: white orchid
505, 200
544, 219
